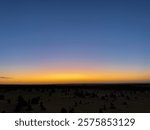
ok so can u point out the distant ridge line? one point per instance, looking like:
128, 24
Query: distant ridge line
117, 86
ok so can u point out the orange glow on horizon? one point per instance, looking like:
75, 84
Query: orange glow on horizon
74, 76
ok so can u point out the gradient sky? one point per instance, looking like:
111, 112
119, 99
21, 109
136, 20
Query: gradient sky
63, 41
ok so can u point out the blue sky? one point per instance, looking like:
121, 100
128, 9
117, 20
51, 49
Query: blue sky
102, 32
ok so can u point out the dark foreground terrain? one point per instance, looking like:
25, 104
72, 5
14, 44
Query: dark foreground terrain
71, 98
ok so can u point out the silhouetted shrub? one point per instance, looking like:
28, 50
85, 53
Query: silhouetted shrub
9, 101
35, 100
2, 97
71, 110
63, 110
80, 102
127, 97
94, 95
21, 103
112, 106
100, 110
124, 103
29, 107
103, 98
42, 106
79, 94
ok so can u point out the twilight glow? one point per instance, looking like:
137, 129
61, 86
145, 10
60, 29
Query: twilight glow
77, 41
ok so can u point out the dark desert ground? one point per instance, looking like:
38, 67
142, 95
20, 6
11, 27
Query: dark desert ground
75, 98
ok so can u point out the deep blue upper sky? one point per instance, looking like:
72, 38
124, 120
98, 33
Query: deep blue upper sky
100, 31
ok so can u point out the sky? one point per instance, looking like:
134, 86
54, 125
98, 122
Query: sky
73, 41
